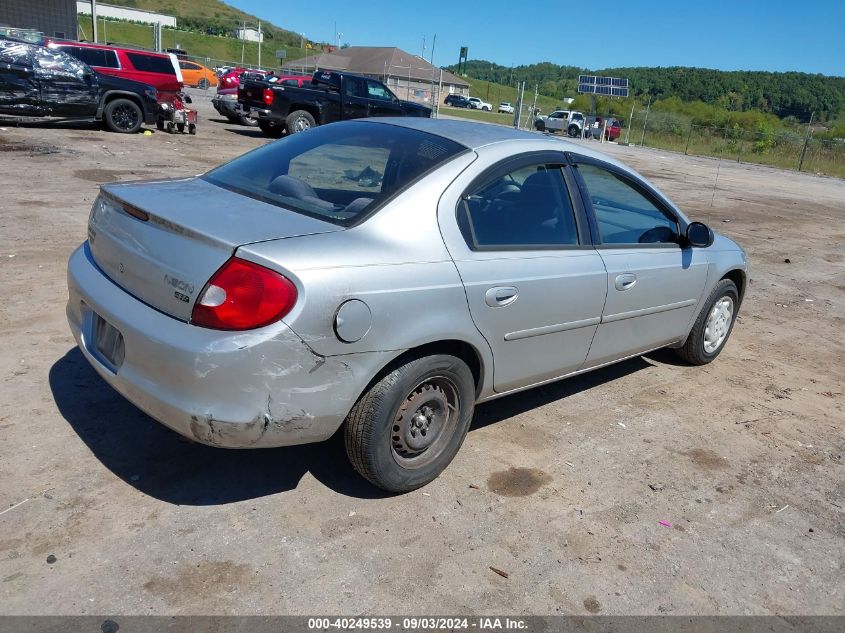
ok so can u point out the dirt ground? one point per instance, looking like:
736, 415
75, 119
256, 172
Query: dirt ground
563, 487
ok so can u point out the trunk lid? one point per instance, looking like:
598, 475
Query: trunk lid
162, 241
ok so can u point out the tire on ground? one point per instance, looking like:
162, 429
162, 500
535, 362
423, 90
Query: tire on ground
573, 131
373, 425
693, 350
123, 116
299, 121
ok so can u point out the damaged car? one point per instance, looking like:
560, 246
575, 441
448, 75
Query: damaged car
39, 82
383, 276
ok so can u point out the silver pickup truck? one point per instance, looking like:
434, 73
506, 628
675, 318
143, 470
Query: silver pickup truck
569, 121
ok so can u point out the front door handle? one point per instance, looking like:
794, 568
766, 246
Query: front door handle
500, 296
625, 281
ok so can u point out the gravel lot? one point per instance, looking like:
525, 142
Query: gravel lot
563, 487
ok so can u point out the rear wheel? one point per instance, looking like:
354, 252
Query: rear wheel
409, 426
160, 124
180, 127
123, 116
573, 131
540, 126
273, 130
203, 84
246, 120
713, 325
299, 121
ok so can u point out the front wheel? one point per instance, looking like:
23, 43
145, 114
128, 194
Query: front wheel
300, 121
123, 116
405, 430
713, 326
573, 131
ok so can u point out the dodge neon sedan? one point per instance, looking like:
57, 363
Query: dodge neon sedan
385, 276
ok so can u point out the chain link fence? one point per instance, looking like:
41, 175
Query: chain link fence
791, 150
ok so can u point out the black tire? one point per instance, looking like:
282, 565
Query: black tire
160, 124
695, 349
486, 109
192, 129
273, 130
540, 126
123, 116
246, 120
203, 84
180, 127
383, 433
299, 121
573, 131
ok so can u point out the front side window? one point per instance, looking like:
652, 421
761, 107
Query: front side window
526, 208
375, 90
624, 213
336, 173
60, 65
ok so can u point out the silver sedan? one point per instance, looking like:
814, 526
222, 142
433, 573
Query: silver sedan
385, 276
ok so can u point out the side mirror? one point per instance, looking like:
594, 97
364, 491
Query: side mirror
699, 235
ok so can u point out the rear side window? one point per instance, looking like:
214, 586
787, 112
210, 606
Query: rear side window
338, 173
526, 208
151, 63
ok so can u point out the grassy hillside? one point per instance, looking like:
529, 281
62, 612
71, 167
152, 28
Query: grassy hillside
212, 16
214, 47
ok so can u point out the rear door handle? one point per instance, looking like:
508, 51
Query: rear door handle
500, 296
625, 281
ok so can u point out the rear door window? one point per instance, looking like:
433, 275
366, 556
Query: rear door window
524, 209
151, 63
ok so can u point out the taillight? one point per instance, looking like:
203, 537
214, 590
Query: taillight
268, 96
242, 296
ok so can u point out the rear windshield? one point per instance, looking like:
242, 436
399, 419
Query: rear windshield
151, 63
339, 173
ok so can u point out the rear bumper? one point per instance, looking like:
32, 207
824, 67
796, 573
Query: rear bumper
256, 389
227, 105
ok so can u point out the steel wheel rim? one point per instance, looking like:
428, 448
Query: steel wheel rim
125, 117
718, 324
424, 422
301, 124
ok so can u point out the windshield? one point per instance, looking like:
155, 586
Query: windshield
339, 173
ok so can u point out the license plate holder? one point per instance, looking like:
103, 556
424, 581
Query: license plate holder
108, 343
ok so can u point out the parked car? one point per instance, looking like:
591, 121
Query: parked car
36, 81
457, 101
506, 107
560, 120
330, 96
478, 104
259, 304
160, 70
196, 75
595, 125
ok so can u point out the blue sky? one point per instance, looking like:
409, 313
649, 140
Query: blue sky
738, 35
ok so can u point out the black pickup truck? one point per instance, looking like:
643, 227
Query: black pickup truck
331, 96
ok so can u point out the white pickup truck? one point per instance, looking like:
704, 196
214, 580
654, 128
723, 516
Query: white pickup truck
478, 104
569, 121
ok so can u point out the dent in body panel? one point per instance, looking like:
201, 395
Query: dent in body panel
281, 380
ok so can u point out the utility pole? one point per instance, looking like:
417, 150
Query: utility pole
243, 40
259, 43
645, 122
806, 140
94, 19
